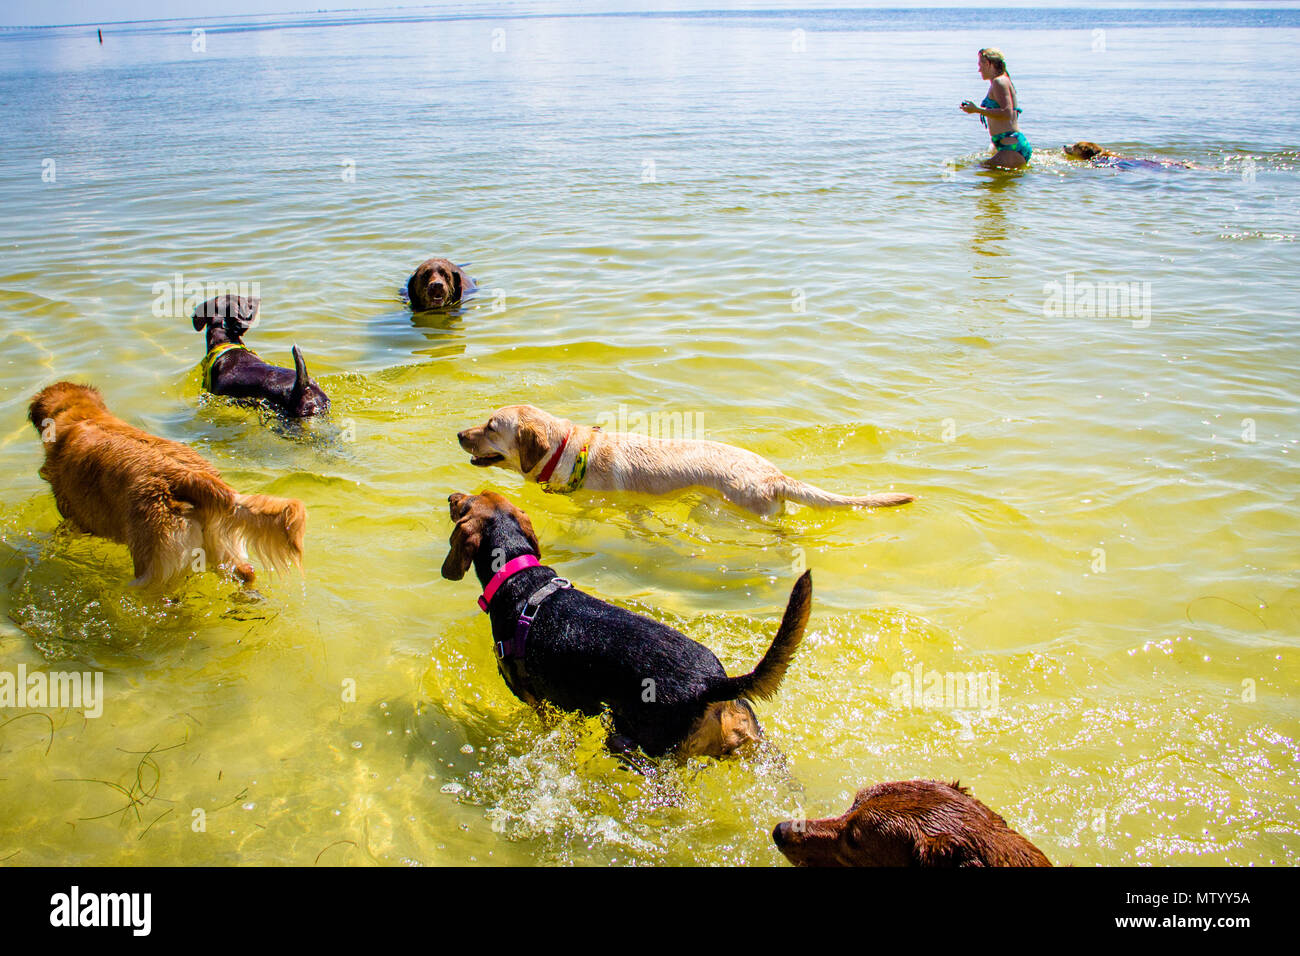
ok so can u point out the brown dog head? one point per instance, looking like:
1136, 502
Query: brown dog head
485, 515
64, 398
518, 437
435, 284
910, 823
234, 313
1086, 150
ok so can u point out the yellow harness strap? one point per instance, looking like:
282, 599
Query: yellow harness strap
216, 353
576, 478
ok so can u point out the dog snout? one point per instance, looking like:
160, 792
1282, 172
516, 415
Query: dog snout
781, 835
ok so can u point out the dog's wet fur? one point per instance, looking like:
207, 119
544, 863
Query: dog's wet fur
238, 373
665, 692
908, 823
158, 497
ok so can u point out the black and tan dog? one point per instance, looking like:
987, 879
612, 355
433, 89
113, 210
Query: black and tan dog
437, 284
908, 823
230, 368
667, 693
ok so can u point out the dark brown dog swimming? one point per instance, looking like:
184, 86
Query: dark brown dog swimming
230, 368
909, 823
437, 284
666, 693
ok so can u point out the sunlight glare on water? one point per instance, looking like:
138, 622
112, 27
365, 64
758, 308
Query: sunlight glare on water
783, 236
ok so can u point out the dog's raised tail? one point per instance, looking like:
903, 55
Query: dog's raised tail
272, 528
764, 680
301, 380
806, 494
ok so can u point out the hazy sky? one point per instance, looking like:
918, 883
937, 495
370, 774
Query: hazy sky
52, 12
39, 12
49, 12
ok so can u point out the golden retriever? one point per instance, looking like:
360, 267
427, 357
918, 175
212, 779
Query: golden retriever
562, 456
156, 496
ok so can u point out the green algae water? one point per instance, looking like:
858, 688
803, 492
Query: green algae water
769, 226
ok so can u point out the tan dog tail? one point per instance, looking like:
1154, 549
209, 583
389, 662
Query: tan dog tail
766, 677
205, 492
272, 528
805, 494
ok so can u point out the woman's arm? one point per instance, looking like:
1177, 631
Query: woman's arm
1001, 92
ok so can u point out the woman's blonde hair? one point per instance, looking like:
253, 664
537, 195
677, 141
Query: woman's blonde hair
997, 58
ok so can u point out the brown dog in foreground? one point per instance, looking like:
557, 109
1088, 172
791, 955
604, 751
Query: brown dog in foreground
156, 496
436, 284
909, 823
562, 457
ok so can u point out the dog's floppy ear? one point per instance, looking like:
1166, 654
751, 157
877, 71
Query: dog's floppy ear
204, 313
943, 849
465, 539
39, 410
532, 443
455, 284
526, 526
242, 311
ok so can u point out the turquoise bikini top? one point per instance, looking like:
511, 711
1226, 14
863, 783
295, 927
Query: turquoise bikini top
989, 103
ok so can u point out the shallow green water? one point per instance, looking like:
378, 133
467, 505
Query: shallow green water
793, 248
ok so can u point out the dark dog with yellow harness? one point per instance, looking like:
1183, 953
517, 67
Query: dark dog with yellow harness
231, 368
667, 693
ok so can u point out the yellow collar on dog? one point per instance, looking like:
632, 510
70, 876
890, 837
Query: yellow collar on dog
576, 477
216, 353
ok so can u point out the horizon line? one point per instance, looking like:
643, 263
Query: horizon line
895, 5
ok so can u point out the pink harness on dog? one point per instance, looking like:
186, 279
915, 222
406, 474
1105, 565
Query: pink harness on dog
514, 647
513, 566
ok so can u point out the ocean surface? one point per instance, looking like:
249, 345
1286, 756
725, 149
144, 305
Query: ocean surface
768, 227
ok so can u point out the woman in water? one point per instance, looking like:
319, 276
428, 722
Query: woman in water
999, 113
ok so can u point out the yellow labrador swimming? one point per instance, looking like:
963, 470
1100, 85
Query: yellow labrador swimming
563, 457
